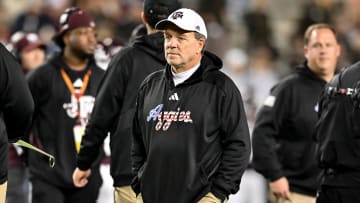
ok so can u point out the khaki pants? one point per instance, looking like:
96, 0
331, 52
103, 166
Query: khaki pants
295, 198
139, 199
124, 194
3, 192
208, 198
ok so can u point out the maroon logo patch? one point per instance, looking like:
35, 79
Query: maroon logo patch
177, 15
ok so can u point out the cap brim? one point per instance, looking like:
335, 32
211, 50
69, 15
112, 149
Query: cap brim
34, 46
162, 24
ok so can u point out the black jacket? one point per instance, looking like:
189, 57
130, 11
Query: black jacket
115, 105
338, 130
282, 136
190, 139
52, 128
16, 106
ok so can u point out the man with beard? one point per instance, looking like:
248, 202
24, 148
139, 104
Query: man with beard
64, 90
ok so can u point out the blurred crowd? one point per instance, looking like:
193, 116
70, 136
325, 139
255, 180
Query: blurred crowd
259, 41
257, 36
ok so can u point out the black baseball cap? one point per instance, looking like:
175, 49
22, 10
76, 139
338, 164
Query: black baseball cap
156, 10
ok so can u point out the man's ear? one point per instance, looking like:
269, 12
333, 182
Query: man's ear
201, 45
65, 38
306, 50
143, 18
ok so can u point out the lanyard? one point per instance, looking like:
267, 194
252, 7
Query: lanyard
70, 86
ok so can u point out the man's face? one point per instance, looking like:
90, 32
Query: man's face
32, 59
82, 40
322, 51
182, 49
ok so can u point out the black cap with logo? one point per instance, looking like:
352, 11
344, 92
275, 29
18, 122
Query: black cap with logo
156, 10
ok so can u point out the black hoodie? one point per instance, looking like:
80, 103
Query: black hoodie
282, 137
338, 130
190, 139
52, 127
115, 105
16, 106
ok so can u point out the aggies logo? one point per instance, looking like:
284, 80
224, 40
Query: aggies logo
177, 15
165, 118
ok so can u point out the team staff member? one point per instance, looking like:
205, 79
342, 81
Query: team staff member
338, 136
115, 104
16, 108
282, 138
64, 90
191, 141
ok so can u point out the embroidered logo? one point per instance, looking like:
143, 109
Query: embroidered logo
165, 118
197, 28
177, 15
81, 107
174, 97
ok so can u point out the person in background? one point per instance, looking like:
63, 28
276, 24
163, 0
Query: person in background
104, 52
115, 104
254, 75
191, 140
284, 150
64, 89
16, 109
30, 52
28, 49
337, 135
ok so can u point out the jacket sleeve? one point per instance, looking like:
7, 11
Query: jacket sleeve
270, 119
236, 145
105, 113
16, 102
138, 152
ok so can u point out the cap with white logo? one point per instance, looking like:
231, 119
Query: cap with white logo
185, 19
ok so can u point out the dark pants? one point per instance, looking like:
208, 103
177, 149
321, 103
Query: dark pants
44, 192
18, 189
330, 194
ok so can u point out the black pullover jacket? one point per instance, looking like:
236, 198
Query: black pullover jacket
338, 130
283, 135
190, 139
115, 105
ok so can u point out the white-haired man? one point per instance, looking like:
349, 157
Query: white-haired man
190, 137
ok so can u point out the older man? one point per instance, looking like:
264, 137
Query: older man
191, 140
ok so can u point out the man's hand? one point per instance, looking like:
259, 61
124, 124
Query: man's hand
80, 178
280, 188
